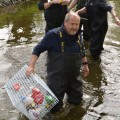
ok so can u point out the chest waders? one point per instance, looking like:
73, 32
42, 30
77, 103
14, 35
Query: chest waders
63, 72
97, 18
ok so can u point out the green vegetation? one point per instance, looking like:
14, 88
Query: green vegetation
17, 11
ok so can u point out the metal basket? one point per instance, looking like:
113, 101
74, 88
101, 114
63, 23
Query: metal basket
30, 95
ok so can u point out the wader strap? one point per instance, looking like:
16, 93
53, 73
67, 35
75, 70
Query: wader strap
80, 42
62, 42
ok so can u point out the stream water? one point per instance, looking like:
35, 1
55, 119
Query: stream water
22, 26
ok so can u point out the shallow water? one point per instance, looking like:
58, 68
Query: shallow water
21, 27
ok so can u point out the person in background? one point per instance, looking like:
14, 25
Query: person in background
54, 12
84, 20
66, 55
98, 23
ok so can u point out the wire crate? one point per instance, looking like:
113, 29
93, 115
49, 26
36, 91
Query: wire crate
30, 95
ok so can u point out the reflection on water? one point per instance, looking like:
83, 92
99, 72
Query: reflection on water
101, 87
23, 25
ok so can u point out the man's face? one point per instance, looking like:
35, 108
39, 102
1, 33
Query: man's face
72, 25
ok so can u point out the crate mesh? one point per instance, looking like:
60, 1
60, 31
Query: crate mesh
30, 95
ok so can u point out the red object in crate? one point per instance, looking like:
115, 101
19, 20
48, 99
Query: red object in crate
16, 86
35, 91
37, 96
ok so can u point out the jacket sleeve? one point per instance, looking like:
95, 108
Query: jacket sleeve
41, 4
104, 5
100, 3
45, 44
107, 7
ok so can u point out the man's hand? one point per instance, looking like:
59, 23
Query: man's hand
29, 71
85, 70
31, 66
55, 1
117, 21
65, 2
81, 11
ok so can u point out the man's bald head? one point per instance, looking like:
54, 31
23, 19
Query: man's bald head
71, 15
71, 23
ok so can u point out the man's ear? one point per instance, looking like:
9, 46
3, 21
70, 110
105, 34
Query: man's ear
64, 23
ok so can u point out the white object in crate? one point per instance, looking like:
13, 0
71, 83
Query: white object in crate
30, 95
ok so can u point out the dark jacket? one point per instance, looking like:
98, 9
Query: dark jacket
97, 14
99, 3
54, 15
52, 42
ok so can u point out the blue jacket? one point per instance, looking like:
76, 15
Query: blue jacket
52, 42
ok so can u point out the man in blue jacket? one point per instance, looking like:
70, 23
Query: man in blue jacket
65, 56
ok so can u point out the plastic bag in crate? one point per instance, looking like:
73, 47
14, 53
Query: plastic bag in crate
30, 95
